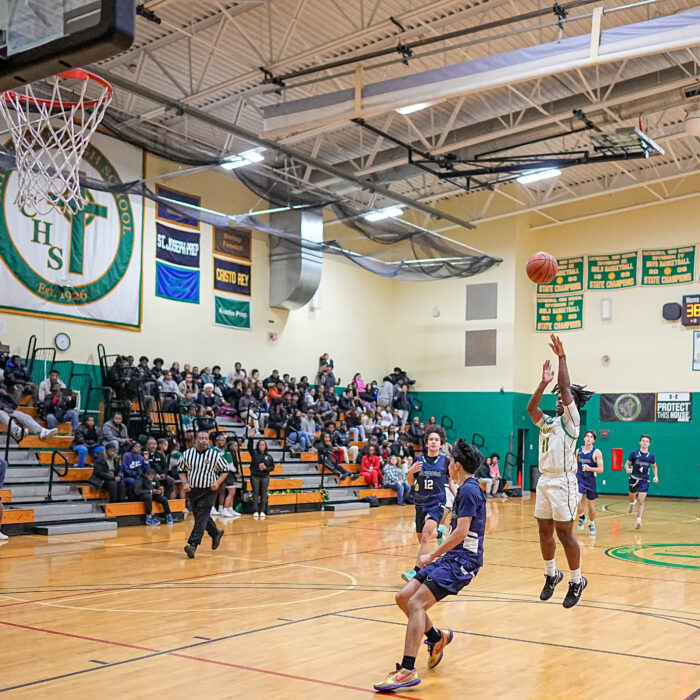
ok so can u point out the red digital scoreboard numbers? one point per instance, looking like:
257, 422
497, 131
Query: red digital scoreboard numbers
690, 315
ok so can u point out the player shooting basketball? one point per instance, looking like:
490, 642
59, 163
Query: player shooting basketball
557, 489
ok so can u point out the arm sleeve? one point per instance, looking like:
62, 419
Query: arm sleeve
571, 419
221, 464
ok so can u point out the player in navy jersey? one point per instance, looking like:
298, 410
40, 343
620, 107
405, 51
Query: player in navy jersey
430, 479
590, 463
637, 466
445, 570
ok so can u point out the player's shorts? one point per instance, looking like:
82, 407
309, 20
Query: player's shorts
639, 485
445, 577
556, 498
433, 513
233, 481
587, 489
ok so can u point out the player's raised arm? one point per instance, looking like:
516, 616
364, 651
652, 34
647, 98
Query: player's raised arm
533, 405
563, 380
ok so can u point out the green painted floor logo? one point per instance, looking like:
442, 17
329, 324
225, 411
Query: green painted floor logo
676, 556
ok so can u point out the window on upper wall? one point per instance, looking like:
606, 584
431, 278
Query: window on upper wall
482, 301
480, 348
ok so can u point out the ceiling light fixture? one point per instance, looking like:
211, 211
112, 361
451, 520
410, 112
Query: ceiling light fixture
245, 158
537, 175
381, 214
414, 108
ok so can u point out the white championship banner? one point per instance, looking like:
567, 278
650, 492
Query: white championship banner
84, 266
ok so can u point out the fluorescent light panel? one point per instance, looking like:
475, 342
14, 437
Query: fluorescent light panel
414, 108
255, 155
386, 213
537, 175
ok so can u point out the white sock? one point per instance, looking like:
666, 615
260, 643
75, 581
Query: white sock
550, 567
639, 520
575, 576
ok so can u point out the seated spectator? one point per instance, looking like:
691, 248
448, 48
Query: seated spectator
173, 453
45, 387
238, 374
323, 408
190, 424
133, 465
208, 404
395, 420
245, 403
148, 489
341, 438
18, 381
146, 377
157, 368
277, 419
259, 409
327, 458
402, 449
328, 380
261, 466
372, 441
370, 467
483, 475
386, 419
21, 421
188, 387
355, 425
3, 471
87, 440
385, 394
272, 380
496, 477
431, 422
157, 460
390, 435
206, 376
417, 431
59, 406
393, 478
308, 426
276, 391
369, 395
107, 474
361, 386
115, 431
399, 375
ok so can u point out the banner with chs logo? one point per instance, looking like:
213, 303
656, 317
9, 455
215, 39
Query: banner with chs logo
80, 267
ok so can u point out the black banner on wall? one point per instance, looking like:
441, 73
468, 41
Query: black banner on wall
628, 407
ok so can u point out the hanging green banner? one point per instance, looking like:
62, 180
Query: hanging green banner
569, 278
668, 266
614, 271
563, 313
231, 313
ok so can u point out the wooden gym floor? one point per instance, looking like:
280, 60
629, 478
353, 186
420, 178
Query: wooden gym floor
302, 605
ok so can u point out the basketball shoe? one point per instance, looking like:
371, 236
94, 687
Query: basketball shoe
436, 650
401, 678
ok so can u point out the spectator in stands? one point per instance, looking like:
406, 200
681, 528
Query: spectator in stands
3, 471
261, 466
168, 385
217, 379
404, 404
148, 381
158, 461
417, 431
87, 440
431, 423
238, 374
276, 391
272, 379
402, 449
260, 409
227, 490
341, 438
373, 441
157, 368
175, 372
324, 362
390, 435
148, 489
370, 467
189, 424
386, 418
398, 375
328, 380
323, 408
45, 387
393, 478
208, 404
359, 384
483, 476
355, 426
385, 395
246, 404
18, 381
206, 376
173, 453
115, 431
188, 387
59, 407
303, 433
133, 465
107, 474
496, 476
327, 458
9, 409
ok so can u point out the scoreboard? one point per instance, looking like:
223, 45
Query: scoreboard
690, 310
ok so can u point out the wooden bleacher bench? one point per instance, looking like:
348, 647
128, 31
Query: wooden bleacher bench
77, 474
379, 493
57, 442
90, 494
281, 484
272, 433
29, 410
72, 457
15, 516
117, 510
5, 495
359, 481
359, 444
290, 499
309, 456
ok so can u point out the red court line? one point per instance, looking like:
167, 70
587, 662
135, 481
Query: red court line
264, 671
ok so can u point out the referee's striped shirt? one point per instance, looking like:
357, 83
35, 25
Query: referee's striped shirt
202, 468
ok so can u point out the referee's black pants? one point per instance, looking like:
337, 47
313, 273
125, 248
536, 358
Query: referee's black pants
202, 501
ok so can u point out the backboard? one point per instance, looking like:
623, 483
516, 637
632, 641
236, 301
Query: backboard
40, 38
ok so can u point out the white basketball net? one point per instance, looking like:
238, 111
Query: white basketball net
50, 138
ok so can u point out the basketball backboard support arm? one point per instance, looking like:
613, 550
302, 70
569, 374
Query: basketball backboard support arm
92, 31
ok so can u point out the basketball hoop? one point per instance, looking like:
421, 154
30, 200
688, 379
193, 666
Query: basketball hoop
50, 138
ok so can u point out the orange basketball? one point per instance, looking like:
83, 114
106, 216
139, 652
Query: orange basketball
542, 268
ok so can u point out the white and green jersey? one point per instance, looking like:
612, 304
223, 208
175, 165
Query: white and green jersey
558, 438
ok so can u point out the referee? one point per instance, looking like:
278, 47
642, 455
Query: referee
202, 470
